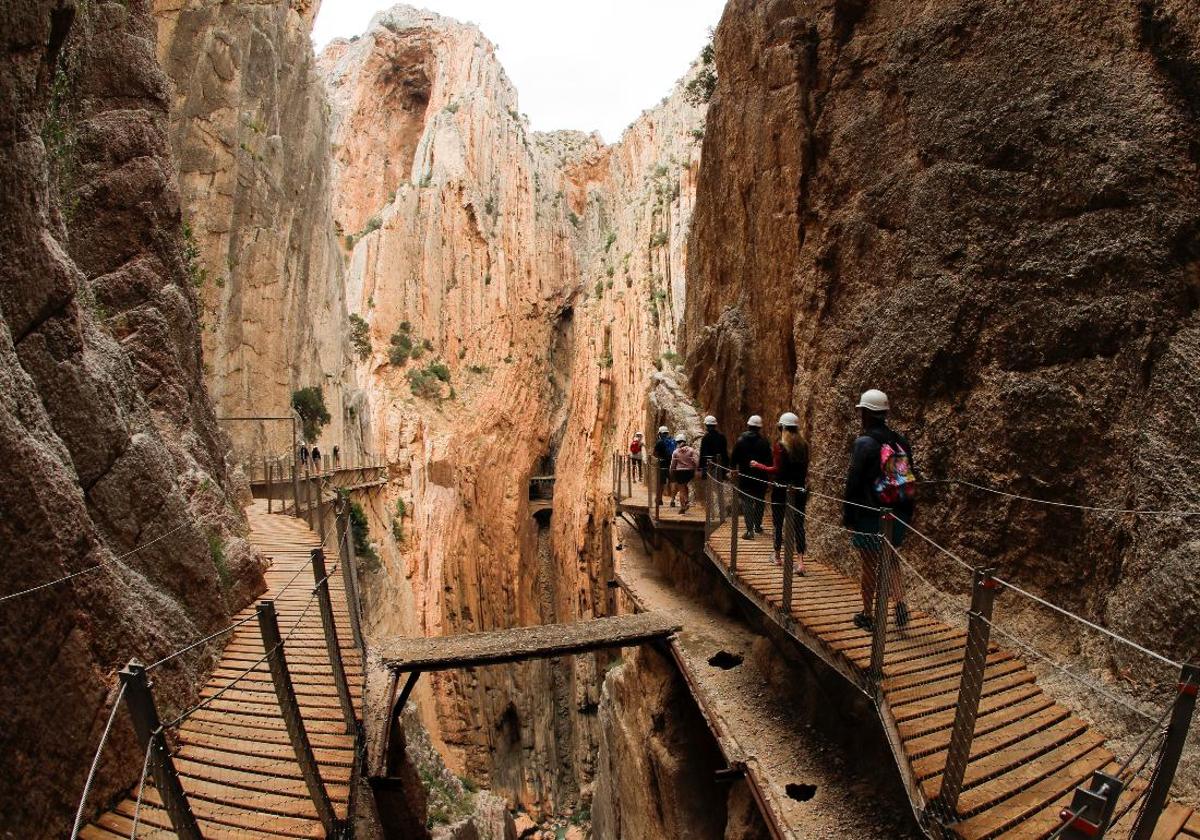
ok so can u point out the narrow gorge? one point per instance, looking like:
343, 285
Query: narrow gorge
990, 210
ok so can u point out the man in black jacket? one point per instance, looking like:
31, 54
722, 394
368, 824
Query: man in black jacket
714, 448
752, 482
861, 507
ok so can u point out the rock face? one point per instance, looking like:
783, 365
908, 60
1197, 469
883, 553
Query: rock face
992, 214
114, 465
519, 289
658, 760
250, 133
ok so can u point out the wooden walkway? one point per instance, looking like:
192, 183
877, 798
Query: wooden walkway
234, 757
1028, 754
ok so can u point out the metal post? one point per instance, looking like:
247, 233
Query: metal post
733, 530
268, 625
984, 589
708, 513
722, 511
616, 477
882, 579
657, 489
1168, 759
268, 469
331, 640
789, 548
1091, 809
308, 493
650, 471
140, 701
629, 475
345, 539
295, 470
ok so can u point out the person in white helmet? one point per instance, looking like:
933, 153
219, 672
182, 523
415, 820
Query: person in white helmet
637, 457
751, 446
683, 469
879, 476
789, 470
714, 448
664, 448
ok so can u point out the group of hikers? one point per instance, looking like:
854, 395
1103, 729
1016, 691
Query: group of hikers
313, 454
879, 476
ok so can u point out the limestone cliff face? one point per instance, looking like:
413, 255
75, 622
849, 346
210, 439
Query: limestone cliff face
502, 258
110, 443
991, 213
250, 132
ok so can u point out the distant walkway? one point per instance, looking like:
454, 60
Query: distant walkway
235, 760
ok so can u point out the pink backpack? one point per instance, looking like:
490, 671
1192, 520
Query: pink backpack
896, 482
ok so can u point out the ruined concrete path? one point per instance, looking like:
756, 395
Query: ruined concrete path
754, 713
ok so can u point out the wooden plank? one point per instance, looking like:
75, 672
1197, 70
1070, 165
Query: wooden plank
438, 653
998, 738
991, 792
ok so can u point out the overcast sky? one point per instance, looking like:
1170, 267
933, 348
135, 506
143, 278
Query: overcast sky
591, 65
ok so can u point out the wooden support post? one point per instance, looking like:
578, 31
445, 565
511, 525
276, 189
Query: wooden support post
345, 538
140, 701
789, 548
983, 595
281, 677
1168, 759
331, 641
733, 529
883, 574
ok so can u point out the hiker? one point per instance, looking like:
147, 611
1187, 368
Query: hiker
637, 457
316, 458
303, 452
879, 477
788, 469
683, 469
337, 457
751, 446
664, 448
714, 449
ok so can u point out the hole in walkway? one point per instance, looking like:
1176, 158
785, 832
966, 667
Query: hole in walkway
801, 793
725, 660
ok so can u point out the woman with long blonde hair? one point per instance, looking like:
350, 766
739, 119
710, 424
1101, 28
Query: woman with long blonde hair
789, 471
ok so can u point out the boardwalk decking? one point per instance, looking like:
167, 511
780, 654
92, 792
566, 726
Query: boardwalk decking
234, 757
1028, 753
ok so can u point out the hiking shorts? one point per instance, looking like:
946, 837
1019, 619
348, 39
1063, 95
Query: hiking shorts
683, 476
868, 531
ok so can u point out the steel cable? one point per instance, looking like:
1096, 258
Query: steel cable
91, 776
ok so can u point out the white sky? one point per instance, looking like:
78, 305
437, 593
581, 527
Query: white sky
591, 65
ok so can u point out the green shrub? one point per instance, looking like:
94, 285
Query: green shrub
610, 271
489, 206
599, 288
401, 508
610, 239
216, 550
401, 345
659, 239
672, 357
361, 531
427, 344
373, 224
418, 350
572, 218
309, 403
424, 384
439, 370
700, 89
360, 336
452, 108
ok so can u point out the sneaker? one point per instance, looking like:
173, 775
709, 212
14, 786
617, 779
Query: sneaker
901, 614
758, 529
672, 503
749, 535
864, 622
683, 510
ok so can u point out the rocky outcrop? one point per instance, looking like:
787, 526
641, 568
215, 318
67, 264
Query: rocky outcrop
991, 213
658, 760
250, 133
519, 289
114, 467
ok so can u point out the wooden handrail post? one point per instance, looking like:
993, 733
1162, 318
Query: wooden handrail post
789, 548
735, 514
883, 574
139, 699
321, 579
1168, 759
629, 476
345, 538
281, 677
984, 588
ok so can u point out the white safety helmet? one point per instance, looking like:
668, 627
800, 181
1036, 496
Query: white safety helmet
663, 430
788, 419
873, 400
638, 434
680, 437
710, 420
755, 422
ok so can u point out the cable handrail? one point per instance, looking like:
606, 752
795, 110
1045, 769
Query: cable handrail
92, 568
91, 776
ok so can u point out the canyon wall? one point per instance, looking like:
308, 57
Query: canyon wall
114, 463
496, 270
990, 211
250, 133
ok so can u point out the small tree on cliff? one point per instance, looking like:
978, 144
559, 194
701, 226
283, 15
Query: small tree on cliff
309, 403
700, 89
